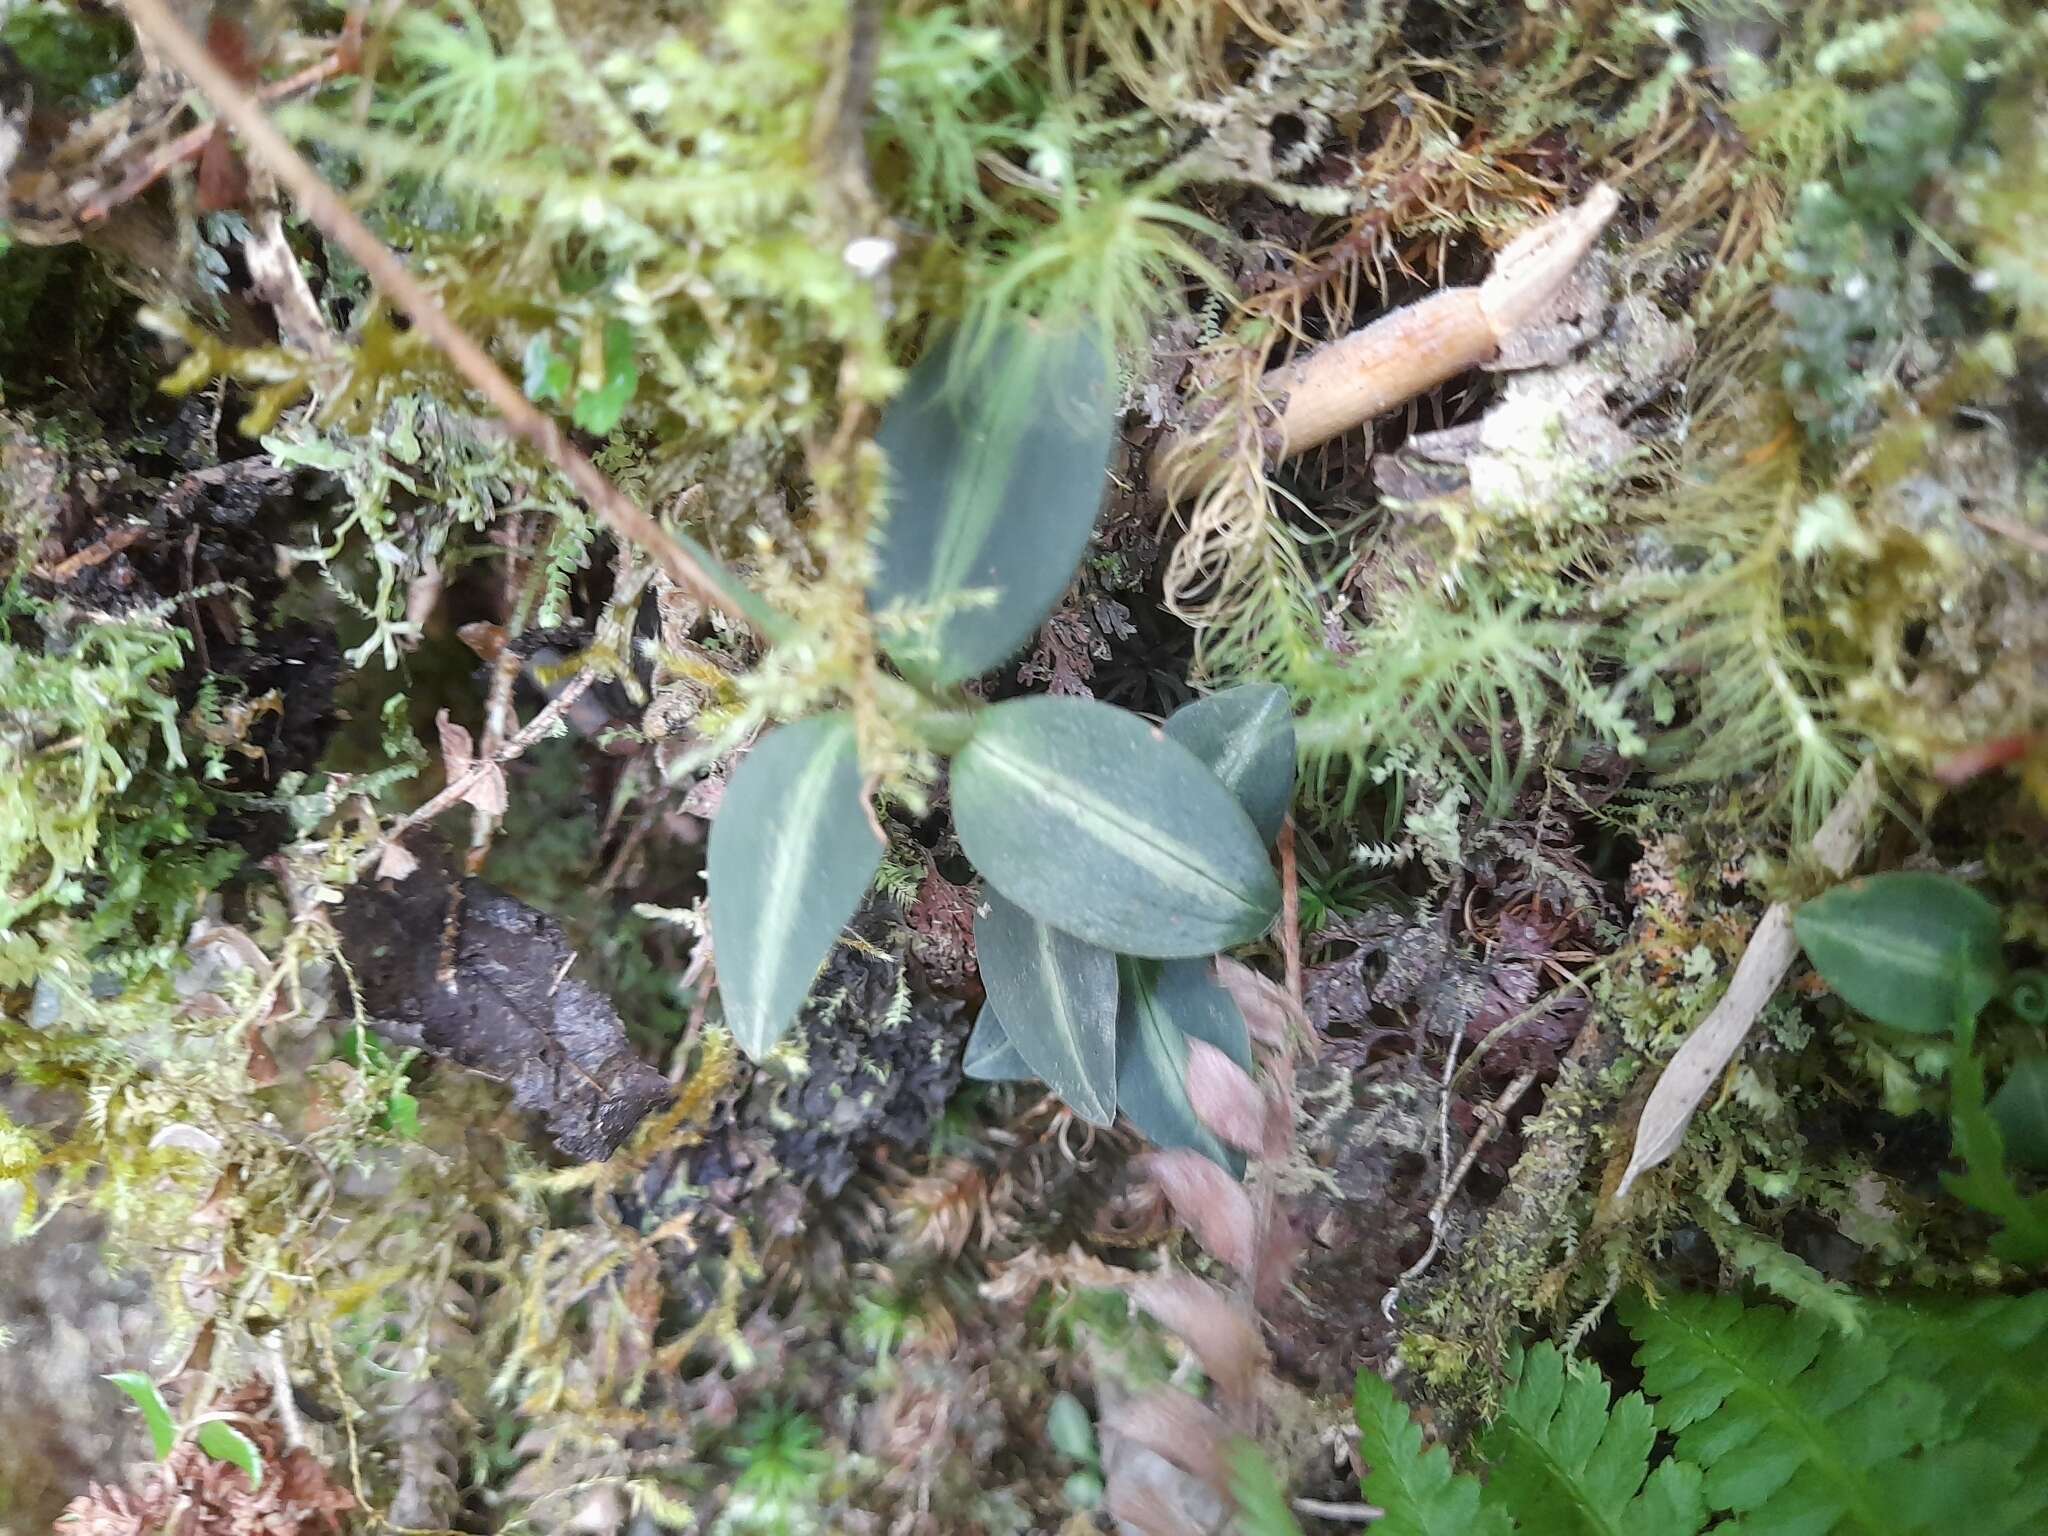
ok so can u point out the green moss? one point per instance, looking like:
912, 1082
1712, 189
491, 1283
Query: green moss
71, 53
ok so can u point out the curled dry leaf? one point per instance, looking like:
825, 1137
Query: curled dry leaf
458, 754
1272, 1016
1022, 1277
180, 1137
396, 861
1210, 1201
1177, 1426
1224, 1097
1222, 1334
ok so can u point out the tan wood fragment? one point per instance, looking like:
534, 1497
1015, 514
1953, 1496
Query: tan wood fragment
1412, 350
1772, 949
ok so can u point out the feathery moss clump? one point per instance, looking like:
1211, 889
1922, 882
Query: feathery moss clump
1752, 528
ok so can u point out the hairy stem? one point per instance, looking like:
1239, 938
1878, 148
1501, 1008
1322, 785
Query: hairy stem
324, 206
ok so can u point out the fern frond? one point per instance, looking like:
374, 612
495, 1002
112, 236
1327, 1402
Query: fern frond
1991, 1354
1420, 1493
1563, 1460
1802, 1430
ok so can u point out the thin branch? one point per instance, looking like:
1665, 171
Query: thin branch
190, 144
2019, 533
534, 730
325, 207
1352, 1514
1494, 1118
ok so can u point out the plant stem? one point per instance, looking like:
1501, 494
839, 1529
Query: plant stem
335, 219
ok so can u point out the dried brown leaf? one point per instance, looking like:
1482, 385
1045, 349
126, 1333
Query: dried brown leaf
486, 792
198, 1496
1177, 1426
1223, 1335
1224, 1097
1212, 1203
1023, 1277
1143, 1509
396, 861
1270, 1014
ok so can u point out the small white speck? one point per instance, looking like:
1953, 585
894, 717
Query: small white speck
869, 255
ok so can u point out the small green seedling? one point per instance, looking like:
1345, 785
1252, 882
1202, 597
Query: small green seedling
216, 1437
1073, 1436
1116, 856
1923, 953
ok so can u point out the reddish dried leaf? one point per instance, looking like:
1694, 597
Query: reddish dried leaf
1179, 1427
223, 179
1982, 757
487, 640
1222, 1333
1270, 1014
1281, 1248
1136, 1507
1212, 1203
1224, 1098
458, 755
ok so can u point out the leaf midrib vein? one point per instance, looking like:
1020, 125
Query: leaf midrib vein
1110, 826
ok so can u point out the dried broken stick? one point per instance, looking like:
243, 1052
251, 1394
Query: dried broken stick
1708, 1049
1403, 354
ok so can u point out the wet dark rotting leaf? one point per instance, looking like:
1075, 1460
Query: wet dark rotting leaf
513, 1009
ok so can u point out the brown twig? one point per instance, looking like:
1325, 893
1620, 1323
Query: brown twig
2019, 533
1707, 1051
462, 783
190, 144
335, 219
1494, 1118
1352, 1514
98, 552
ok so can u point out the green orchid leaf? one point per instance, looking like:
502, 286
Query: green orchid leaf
997, 450
1245, 736
991, 1058
1056, 996
792, 852
223, 1442
156, 1413
1098, 824
1911, 950
2021, 1109
1161, 1005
